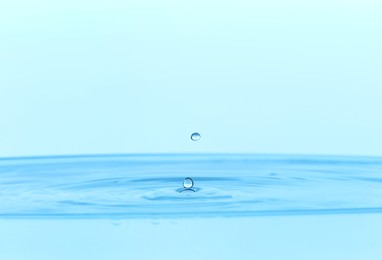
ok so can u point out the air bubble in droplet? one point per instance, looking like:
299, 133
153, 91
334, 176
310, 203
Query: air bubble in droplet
195, 136
188, 183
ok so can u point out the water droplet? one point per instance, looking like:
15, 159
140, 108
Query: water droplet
188, 183
195, 136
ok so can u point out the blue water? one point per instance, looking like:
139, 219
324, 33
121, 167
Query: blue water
149, 186
142, 207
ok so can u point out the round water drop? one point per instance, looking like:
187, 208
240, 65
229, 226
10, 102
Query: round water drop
188, 183
195, 136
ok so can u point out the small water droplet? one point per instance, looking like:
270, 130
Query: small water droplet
188, 183
195, 136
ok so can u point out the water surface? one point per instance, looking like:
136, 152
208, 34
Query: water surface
149, 186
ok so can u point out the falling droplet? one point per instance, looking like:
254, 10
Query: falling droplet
188, 183
195, 136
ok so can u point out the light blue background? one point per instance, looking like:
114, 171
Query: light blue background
140, 76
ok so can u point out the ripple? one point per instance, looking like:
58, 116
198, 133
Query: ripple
223, 185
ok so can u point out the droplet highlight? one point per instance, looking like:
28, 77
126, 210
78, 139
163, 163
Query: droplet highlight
195, 136
188, 183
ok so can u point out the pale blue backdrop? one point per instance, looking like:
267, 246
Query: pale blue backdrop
85, 77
